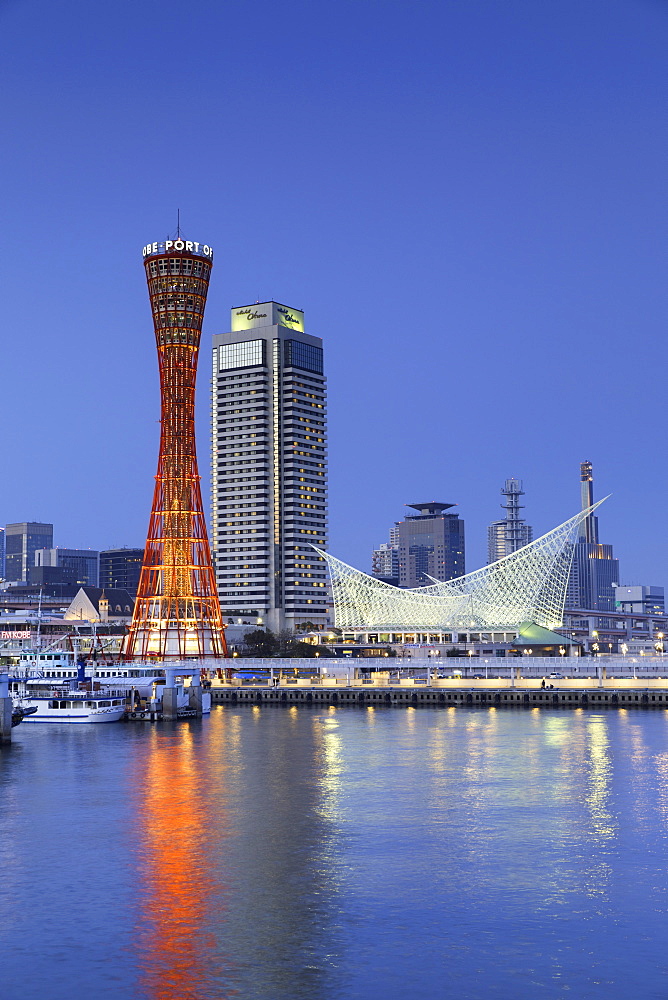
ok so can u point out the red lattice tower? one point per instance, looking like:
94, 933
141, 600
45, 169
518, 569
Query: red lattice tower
177, 612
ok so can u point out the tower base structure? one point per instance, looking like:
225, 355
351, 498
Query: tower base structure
154, 642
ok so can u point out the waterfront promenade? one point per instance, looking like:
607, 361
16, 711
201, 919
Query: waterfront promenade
612, 682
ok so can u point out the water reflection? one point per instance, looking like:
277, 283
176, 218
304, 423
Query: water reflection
327, 731
237, 884
13, 872
603, 826
179, 902
322, 854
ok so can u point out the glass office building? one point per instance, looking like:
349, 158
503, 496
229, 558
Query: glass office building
81, 565
120, 569
431, 545
22, 540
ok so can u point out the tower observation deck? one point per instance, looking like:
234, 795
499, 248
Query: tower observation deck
177, 612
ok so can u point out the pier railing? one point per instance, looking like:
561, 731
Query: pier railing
575, 671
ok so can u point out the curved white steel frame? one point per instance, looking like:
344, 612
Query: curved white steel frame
527, 585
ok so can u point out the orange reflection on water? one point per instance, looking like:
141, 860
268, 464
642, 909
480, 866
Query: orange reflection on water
179, 900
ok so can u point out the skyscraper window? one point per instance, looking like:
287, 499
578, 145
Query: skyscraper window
306, 356
244, 355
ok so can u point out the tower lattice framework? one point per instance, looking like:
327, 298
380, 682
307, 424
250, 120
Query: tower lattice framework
177, 612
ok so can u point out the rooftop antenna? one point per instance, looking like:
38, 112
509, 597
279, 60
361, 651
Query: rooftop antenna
178, 223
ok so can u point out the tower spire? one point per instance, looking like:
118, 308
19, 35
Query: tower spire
589, 528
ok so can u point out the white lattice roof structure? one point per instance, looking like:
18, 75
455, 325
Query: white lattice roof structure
527, 585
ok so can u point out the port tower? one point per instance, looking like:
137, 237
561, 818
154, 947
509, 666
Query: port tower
177, 612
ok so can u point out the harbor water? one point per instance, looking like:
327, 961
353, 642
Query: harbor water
305, 853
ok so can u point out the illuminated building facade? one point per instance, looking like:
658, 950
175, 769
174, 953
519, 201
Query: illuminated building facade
176, 612
527, 586
269, 470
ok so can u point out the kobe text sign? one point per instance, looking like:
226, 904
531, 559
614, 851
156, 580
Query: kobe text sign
190, 246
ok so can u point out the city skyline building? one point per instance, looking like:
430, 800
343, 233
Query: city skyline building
639, 599
510, 534
22, 539
385, 563
176, 612
121, 569
385, 558
594, 572
81, 566
269, 468
431, 545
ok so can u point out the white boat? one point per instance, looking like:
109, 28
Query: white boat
126, 677
60, 689
70, 706
57, 665
43, 686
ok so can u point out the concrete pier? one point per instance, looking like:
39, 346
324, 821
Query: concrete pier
5, 710
195, 698
174, 689
371, 695
169, 703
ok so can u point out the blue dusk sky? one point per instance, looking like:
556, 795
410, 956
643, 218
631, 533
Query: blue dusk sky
466, 197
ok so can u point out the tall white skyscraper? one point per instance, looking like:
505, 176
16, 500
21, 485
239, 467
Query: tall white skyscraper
269, 476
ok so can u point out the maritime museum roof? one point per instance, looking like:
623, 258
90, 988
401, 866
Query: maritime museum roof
527, 585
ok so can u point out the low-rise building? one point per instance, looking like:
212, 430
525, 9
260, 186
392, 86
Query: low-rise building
77, 566
94, 604
638, 599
